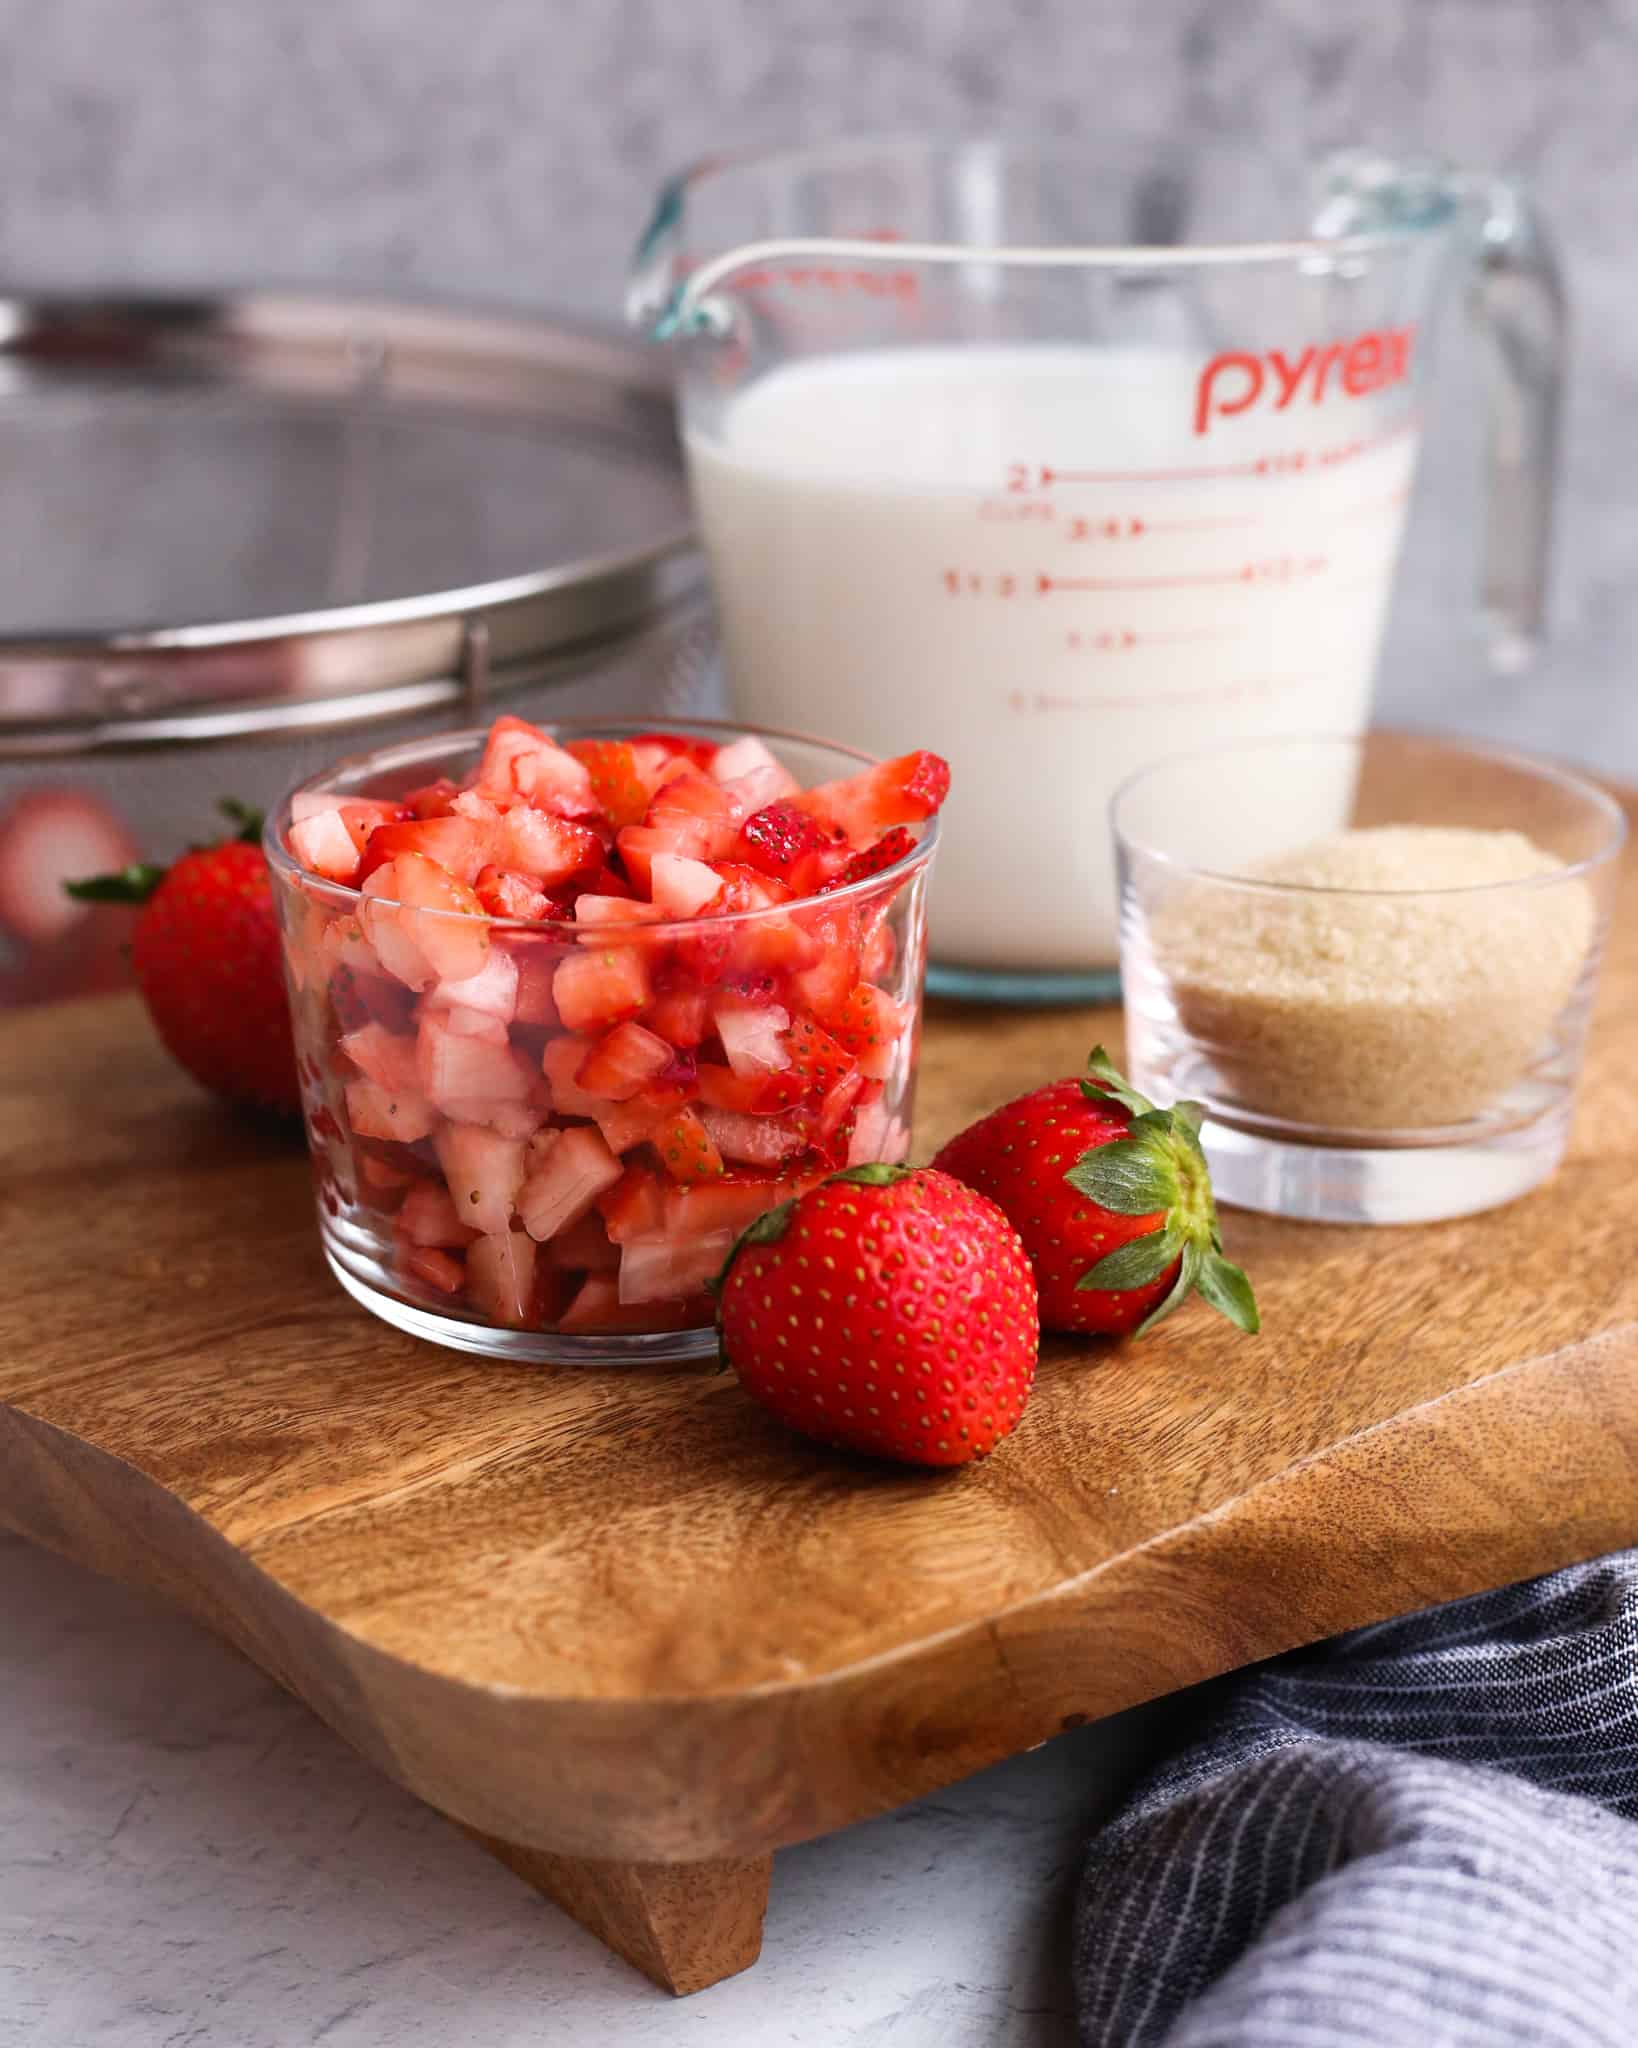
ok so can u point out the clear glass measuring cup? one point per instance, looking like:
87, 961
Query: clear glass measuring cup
1059, 465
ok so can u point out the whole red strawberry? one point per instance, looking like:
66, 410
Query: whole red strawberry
1112, 1198
206, 956
886, 1310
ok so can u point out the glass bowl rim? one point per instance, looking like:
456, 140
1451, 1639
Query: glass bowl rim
1568, 779
282, 862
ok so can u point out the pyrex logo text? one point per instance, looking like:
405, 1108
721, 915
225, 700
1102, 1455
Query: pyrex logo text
1234, 381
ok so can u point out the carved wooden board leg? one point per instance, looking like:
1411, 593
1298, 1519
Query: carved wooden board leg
686, 1925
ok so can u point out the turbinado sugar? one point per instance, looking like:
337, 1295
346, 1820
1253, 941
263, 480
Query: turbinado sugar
1385, 1011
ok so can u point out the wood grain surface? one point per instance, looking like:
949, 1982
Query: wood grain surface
623, 1615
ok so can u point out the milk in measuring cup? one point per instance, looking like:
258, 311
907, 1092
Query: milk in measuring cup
1054, 564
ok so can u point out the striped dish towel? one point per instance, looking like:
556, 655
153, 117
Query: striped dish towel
1416, 1836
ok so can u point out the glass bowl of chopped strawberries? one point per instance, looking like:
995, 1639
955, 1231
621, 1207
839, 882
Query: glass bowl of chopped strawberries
573, 1007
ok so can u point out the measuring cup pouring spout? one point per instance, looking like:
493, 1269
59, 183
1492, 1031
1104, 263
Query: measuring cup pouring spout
1038, 458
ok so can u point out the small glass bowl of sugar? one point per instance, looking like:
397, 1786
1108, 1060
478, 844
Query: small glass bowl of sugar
1370, 961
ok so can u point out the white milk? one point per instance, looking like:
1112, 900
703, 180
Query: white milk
1053, 565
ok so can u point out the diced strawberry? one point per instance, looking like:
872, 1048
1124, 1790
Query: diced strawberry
625, 1125
461, 846
730, 1203
833, 1127
596, 1311
681, 1015
878, 1135
749, 756
500, 1278
887, 852
623, 1063
634, 1206
599, 986
765, 1141
898, 792
638, 844
879, 951
561, 1063
552, 850
414, 948
694, 811
357, 998
504, 893
682, 887
678, 746
722, 1088
377, 1112
484, 1172
817, 1063
686, 1150
324, 844
577, 1169
781, 841
433, 1268
667, 1268
824, 985
427, 1216
507, 1119
606, 882
752, 1034
621, 790
432, 799
462, 1057
536, 964
870, 1025
584, 1246
591, 909
382, 1175
520, 760
493, 990
383, 1057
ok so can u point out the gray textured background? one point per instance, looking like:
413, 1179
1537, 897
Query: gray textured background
506, 149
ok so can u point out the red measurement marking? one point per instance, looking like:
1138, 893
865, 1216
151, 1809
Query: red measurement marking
1283, 569
1125, 639
1129, 527
1014, 511
1025, 476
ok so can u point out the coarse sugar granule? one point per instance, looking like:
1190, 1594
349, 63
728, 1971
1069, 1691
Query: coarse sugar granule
1330, 1006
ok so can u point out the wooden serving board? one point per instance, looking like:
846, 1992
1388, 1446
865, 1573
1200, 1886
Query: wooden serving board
638, 1637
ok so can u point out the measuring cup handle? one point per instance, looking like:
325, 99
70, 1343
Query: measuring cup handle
1520, 313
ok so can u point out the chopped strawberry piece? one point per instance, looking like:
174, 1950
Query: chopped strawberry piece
504, 893
493, 990
693, 810
596, 1311
722, 1088
638, 844
584, 1246
433, 1268
885, 853
879, 952
382, 1174
781, 841
606, 882
383, 1057
324, 844
765, 1141
752, 1034
625, 1125
536, 964
577, 1169
899, 792
686, 1150
550, 849
377, 1112
824, 985
679, 746
682, 887
520, 760
462, 846
561, 1063
817, 1063
620, 1065
462, 1056
500, 1278
744, 758
834, 1125
357, 998
484, 1172
432, 799
870, 1025
681, 1015
617, 783
419, 950
731, 1203
665, 1268
427, 1216
599, 986
634, 1206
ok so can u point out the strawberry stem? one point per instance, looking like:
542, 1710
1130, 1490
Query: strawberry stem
133, 885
